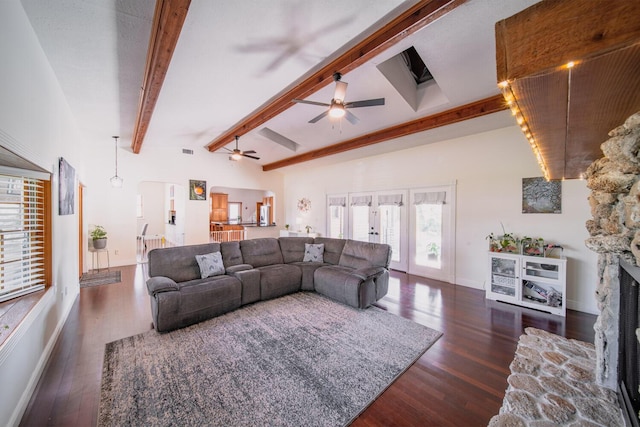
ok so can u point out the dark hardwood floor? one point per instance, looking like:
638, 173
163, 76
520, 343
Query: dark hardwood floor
459, 381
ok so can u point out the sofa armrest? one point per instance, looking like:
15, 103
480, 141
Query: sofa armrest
159, 284
239, 267
368, 272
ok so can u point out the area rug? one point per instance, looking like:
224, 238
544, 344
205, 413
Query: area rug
299, 360
100, 278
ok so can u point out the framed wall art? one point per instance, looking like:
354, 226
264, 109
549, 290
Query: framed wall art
541, 196
197, 190
66, 188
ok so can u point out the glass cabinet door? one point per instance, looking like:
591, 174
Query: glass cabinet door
503, 276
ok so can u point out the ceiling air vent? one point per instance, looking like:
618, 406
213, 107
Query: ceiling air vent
187, 151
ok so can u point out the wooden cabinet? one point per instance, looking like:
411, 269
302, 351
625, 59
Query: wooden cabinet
219, 207
534, 282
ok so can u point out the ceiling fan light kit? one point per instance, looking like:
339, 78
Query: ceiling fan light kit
338, 108
237, 154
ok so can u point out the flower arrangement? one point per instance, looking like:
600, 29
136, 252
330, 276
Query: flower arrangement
506, 242
304, 205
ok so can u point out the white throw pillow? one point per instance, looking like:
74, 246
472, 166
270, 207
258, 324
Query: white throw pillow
313, 252
210, 264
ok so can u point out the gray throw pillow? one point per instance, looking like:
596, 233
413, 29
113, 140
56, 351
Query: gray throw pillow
210, 264
313, 252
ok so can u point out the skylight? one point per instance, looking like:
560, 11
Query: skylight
416, 66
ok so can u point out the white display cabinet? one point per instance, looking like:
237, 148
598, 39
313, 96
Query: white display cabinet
534, 282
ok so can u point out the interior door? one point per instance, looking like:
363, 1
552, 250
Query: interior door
432, 234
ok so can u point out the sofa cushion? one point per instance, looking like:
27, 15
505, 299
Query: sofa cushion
364, 254
340, 284
293, 248
332, 248
231, 254
179, 263
261, 252
210, 264
313, 252
198, 300
278, 280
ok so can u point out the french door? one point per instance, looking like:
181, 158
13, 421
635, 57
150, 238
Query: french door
418, 224
381, 217
432, 234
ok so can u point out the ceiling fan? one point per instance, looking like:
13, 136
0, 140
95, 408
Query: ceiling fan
237, 154
338, 108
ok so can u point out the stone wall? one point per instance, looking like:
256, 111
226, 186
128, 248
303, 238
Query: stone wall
614, 233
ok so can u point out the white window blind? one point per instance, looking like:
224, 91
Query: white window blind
22, 236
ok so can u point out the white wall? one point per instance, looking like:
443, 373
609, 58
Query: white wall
114, 208
35, 123
488, 169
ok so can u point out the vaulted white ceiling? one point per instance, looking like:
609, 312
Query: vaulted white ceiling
234, 56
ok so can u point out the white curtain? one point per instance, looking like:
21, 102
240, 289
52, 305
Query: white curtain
361, 200
430, 198
337, 201
390, 200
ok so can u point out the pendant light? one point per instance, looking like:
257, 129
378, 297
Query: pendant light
116, 181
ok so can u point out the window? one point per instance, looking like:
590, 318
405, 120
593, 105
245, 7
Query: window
235, 212
24, 214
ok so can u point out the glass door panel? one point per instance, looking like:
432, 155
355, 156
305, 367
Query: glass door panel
431, 233
428, 234
390, 229
336, 221
360, 218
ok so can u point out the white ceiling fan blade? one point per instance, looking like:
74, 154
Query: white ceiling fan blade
315, 119
351, 117
341, 91
304, 101
365, 103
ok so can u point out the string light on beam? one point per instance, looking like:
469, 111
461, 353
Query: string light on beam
510, 99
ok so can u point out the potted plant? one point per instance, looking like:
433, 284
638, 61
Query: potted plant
99, 236
533, 247
494, 243
432, 251
308, 228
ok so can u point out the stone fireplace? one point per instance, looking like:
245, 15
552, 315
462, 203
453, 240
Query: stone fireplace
614, 232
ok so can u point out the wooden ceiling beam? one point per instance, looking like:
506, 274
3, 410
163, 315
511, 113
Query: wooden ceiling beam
480, 108
549, 34
407, 23
168, 19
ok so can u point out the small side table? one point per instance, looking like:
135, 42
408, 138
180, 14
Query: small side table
95, 256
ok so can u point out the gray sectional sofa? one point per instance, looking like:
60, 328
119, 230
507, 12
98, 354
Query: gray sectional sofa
351, 272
